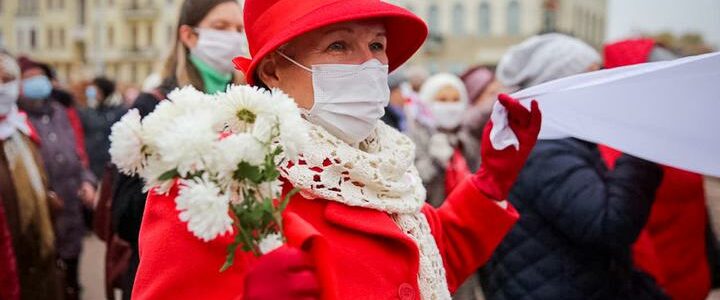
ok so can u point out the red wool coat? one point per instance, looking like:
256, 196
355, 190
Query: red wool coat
367, 256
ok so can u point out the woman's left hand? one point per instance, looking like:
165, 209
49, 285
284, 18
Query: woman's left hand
500, 168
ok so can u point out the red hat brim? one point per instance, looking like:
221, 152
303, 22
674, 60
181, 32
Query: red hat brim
406, 32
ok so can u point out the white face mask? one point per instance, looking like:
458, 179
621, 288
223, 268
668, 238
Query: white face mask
217, 48
9, 93
349, 99
448, 115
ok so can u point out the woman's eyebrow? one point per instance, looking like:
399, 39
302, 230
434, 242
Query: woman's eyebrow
333, 30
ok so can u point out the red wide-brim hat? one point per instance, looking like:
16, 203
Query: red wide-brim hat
270, 24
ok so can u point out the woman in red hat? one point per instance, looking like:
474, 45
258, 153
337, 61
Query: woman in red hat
359, 228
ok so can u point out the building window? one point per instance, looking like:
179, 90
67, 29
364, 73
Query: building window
150, 32
62, 37
434, 19
50, 36
19, 36
134, 37
111, 36
484, 19
33, 39
513, 18
133, 72
81, 11
458, 19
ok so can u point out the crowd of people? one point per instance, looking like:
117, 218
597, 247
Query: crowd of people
592, 222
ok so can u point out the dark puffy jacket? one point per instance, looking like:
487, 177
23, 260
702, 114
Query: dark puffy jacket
96, 125
577, 223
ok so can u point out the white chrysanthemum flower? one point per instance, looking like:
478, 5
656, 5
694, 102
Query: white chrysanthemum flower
293, 131
188, 143
236, 148
126, 144
155, 168
180, 102
264, 128
189, 99
204, 208
155, 123
270, 242
241, 105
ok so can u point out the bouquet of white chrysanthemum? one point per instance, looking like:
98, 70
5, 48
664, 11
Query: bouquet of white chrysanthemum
224, 150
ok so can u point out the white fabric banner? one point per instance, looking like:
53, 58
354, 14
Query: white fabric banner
666, 112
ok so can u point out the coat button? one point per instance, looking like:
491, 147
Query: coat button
52, 137
406, 292
45, 119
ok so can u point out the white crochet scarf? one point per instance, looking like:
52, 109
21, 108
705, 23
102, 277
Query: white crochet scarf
379, 174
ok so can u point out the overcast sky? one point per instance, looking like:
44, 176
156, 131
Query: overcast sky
634, 17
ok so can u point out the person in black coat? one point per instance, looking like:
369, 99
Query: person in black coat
129, 197
97, 119
578, 219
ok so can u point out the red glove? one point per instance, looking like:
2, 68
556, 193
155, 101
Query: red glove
500, 168
286, 273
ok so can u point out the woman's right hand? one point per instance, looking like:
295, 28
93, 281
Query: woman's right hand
286, 273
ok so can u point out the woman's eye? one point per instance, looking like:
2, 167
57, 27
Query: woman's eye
337, 46
377, 46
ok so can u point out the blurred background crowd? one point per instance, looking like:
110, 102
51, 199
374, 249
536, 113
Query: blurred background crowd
70, 69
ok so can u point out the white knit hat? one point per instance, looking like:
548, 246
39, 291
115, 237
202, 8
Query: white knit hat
544, 58
439, 81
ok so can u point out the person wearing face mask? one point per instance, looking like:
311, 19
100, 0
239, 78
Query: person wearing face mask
362, 200
68, 176
209, 34
24, 190
445, 151
102, 112
395, 112
483, 89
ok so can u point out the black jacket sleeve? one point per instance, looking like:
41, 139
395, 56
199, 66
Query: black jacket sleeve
592, 206
128, 196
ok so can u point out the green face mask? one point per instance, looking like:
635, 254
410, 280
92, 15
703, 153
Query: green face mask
214, 80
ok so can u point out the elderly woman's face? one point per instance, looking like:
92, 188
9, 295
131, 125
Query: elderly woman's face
344, 43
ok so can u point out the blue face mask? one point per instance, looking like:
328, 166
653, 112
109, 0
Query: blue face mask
37, 87
91, 96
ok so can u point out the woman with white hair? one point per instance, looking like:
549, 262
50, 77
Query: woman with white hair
445, 151
579, 219
24, 197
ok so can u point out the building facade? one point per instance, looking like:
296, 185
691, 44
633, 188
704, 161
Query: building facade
122, 39
470, 32
128, 39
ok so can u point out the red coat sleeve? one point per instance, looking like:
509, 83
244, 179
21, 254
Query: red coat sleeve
467, 228
176, 265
